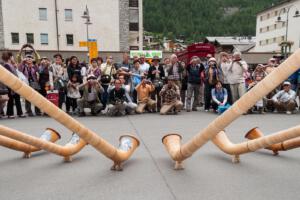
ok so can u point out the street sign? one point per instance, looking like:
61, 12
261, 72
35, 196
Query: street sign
147, 54
93, 47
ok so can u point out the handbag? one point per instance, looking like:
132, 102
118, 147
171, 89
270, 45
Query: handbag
3, 89
105, 79
136, 80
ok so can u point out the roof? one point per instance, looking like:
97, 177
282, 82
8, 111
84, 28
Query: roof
232, 40
276, 5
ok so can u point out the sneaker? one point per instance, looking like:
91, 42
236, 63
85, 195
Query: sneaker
206, 110
11, 117
288, 112
81, 114
22, 116
188, 110
275, 111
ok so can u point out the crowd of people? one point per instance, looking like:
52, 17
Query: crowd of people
135, 86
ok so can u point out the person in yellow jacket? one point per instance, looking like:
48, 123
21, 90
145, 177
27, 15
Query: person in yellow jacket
144, 90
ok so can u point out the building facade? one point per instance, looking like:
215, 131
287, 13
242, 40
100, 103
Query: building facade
270, 32
52, 25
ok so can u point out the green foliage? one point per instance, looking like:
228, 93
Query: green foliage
195, 19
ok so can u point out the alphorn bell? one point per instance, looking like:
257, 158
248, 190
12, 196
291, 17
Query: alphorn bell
118, 156
49, 135
282, 146
264, 87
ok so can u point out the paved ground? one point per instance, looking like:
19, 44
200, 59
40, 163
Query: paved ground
209, 174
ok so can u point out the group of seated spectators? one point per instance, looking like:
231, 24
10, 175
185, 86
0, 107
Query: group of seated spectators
136, 86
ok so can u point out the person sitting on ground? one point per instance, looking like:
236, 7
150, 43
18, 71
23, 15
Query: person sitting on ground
219, 96
90, 99
144, 90
285, 100
260, 104
170, 95
259, 71
130, 106
116, 100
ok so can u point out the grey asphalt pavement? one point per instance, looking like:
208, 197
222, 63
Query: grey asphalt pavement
149, 174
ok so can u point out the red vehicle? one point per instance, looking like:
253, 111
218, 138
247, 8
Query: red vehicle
198, 49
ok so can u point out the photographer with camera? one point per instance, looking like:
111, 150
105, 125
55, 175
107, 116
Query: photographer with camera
116, 100
170, 95
235, 76
157, 75
144, 90
30, 70
90, 98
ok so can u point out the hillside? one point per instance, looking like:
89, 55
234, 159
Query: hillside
194, 19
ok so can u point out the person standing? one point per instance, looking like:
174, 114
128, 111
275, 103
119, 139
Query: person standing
194, 71
30, 71
58, 78
224, 65
13, 98
213, 74
144, 66
108, 73
175, 70
74, 68
236, 77
156, 74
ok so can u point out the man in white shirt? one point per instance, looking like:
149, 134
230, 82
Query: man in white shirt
144, 66
235, 76
285, 100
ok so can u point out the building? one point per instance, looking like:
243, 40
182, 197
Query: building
57, 25
278, 25
232, 44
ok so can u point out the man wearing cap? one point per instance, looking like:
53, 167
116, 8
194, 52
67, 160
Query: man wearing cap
236, 79
170, 95
285, 100
213, 75
194, 71
90, 98
156, 74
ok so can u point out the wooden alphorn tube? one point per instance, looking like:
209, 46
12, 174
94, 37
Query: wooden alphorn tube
280, 74
115, 154
71, 148
49, 135
282, 146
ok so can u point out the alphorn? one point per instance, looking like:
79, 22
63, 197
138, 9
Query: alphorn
180, 152
71, 148
282, 146
49, 135
117, 155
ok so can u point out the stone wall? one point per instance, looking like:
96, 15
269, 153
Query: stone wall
124, 24
1, 27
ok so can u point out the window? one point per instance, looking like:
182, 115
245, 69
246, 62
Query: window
30, 38
276, 12
70, 39
44, 38
268, 15
15, 38
68, 15
260, 30
134, 3
43, 14
283, 24
282, 38
133, 26
275, 26
274, 39
268, 28
261, 18
260, 43
267, 41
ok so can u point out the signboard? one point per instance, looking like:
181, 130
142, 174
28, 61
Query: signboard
93, 47
147, 54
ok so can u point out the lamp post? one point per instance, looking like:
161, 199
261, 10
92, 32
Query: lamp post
86, 15
279, 20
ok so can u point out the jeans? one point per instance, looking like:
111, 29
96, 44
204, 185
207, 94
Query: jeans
192, 89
